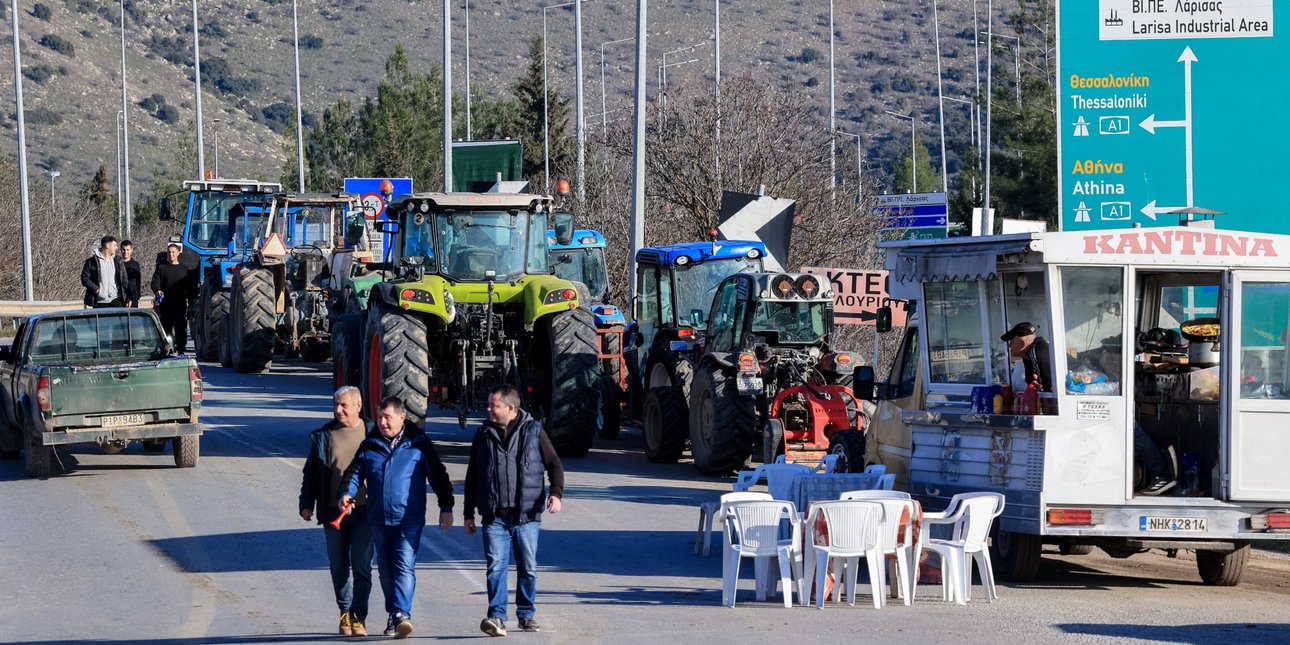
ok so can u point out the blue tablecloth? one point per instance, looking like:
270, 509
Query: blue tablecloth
814, 488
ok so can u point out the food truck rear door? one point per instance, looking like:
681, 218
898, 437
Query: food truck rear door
1255, 410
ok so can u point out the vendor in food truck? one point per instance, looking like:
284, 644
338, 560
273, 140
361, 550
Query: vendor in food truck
1030, 356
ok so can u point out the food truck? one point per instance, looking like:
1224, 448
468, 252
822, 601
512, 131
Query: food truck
1173, 338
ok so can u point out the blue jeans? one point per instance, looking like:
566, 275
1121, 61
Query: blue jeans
350, 549
396, 558
504, 535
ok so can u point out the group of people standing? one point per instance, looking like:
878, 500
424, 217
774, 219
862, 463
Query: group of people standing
117, 281
367, 486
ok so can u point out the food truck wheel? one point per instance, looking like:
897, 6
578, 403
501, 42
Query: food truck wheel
1222, 569
1076, 549
1015, 556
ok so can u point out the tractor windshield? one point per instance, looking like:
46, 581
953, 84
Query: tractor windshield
795, 322
468, 244
208, 226
696, 284
583, 265
307, 226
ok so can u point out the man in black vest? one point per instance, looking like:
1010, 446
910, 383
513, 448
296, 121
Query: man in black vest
504, 482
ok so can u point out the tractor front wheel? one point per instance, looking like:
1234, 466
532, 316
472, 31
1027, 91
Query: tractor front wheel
575, 375
252, 320
346, 351
396, 358
849, 447
721, 422
208, 322
610, 419
665, 421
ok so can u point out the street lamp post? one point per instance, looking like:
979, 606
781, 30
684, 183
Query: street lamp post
470, 133
859, 164
580, 121
300, 135
913, 157
971, 116
603, 105
197, 96
1016, 60
940, 97
638, 146
118, 170
833, 146
125, 128
27, 289
546, 98
216, 129
52, 174
662, 73
987, 215
447, 96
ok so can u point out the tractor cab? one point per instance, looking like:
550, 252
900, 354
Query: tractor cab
582, 261
208, 221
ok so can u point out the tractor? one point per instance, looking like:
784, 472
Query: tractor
675, 284
471, 303
767, 376
582, 261
211, 233
286, 288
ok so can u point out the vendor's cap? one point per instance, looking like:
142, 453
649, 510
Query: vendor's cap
176, 245
1019, 329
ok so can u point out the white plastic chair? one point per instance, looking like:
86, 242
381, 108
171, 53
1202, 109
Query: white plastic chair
710, 510
752, 530
779, 478
970, 515
852, 530
826, 465
892, 540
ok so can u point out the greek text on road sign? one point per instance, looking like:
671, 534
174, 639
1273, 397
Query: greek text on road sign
858, 295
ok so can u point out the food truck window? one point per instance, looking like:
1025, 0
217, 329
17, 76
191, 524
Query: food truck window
955, 341
1264, 309
1024, 298
1092, 302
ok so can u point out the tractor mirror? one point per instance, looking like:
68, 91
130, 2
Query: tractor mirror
354, 231
696, 317
163, 209
884, 321
563, 228
564, 259
5, 355
862, 382
390, 228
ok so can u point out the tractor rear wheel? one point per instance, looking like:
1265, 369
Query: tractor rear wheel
772, 440
610, 419
346, 351
721, 422
575, 375
849, 447
396, 358
252, 320
612, 345
208, 321
665, 420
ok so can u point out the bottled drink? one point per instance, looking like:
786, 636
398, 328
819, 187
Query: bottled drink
1030, 401
1191, 473
1007, 395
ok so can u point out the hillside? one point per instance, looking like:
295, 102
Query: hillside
884, 53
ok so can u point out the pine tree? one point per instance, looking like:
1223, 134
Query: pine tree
928, 179
96, 192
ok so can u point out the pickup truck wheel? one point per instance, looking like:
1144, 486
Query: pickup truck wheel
575, 375
721, 422
1219, 569
849, 446
397, 361
252, 316
665, 420
37, 459
187, 450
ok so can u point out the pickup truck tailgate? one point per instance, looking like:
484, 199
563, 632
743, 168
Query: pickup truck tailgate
115, 389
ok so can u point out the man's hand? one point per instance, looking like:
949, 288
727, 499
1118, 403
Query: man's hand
345, 500
445, 520
553, 504
306, 514
470, 525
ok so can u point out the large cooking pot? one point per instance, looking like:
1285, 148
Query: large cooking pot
1202, 353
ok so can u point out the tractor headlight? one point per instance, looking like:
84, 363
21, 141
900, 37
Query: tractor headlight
683, 260
753, 254
425, 207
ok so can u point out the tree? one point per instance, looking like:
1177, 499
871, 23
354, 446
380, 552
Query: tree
929, 180
528, 94
97, 193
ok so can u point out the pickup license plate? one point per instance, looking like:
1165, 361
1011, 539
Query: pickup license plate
749, 384
119, 420
1191, 524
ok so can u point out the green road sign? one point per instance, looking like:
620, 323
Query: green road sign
1170, 104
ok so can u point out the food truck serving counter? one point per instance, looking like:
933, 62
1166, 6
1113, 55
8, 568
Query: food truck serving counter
1149, 367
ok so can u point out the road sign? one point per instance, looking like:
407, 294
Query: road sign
758, 217
1162, 105
369, 189
924, 233
858, 294
913, 216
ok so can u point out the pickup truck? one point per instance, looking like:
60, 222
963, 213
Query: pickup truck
101, 376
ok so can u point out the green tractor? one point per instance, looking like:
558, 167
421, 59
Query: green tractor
473, 304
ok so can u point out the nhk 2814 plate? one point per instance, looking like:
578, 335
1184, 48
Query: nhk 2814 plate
1190, 524
120, 420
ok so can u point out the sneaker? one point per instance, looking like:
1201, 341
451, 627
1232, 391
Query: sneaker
530, 625
389, 626
1158, 485
402, 625
493, 626
346, 624
357, 626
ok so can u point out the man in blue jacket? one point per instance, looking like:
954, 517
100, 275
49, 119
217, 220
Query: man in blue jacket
504, 482
396, 465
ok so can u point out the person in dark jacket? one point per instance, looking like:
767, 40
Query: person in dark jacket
103, 276
1035, 365
504, 481
396, 464
133, 274
349, 548
173, 289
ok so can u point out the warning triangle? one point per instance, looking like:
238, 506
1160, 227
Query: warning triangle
273, 247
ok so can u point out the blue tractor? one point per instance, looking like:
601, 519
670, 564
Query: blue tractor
217, 225
582, 261
675, 286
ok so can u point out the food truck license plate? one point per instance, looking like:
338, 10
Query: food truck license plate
1195, 524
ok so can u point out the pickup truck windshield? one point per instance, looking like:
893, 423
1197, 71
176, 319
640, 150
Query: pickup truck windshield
111, 336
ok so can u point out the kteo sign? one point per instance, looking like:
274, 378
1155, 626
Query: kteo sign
858, 295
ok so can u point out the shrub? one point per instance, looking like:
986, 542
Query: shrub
41, 12
809, 54
38, 73
86, 6
42, 116
87, 34
168, 114
311, 42
58, 44
213, 30
253, 16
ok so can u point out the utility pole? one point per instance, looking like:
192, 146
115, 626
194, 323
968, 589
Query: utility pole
638, 148
987, 216
300, 134
470, 133
197, 94
27, 289
833, 111
447, 97
581, 121
125, 128
940, 97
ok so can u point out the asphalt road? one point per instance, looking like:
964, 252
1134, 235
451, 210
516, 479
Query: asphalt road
127, 548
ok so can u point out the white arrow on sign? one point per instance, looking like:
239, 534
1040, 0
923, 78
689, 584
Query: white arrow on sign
1150, 124
1151, 210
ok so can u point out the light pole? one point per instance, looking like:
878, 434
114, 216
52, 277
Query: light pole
300, 135
197, 95
52, 173
940, 97
662, 78
971, 116
1016, 60
118, 170
447, 96
216, 128
125, 128
27, 290
859, 164
662, 73
603, 106
638, 146
987, 215
833, 145
546, 98
470, 134
913, 157
580, 121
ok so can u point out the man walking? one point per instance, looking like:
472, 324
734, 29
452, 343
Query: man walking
103, 276
133, 274
508, 458
396, 464
349, 548
173, 289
